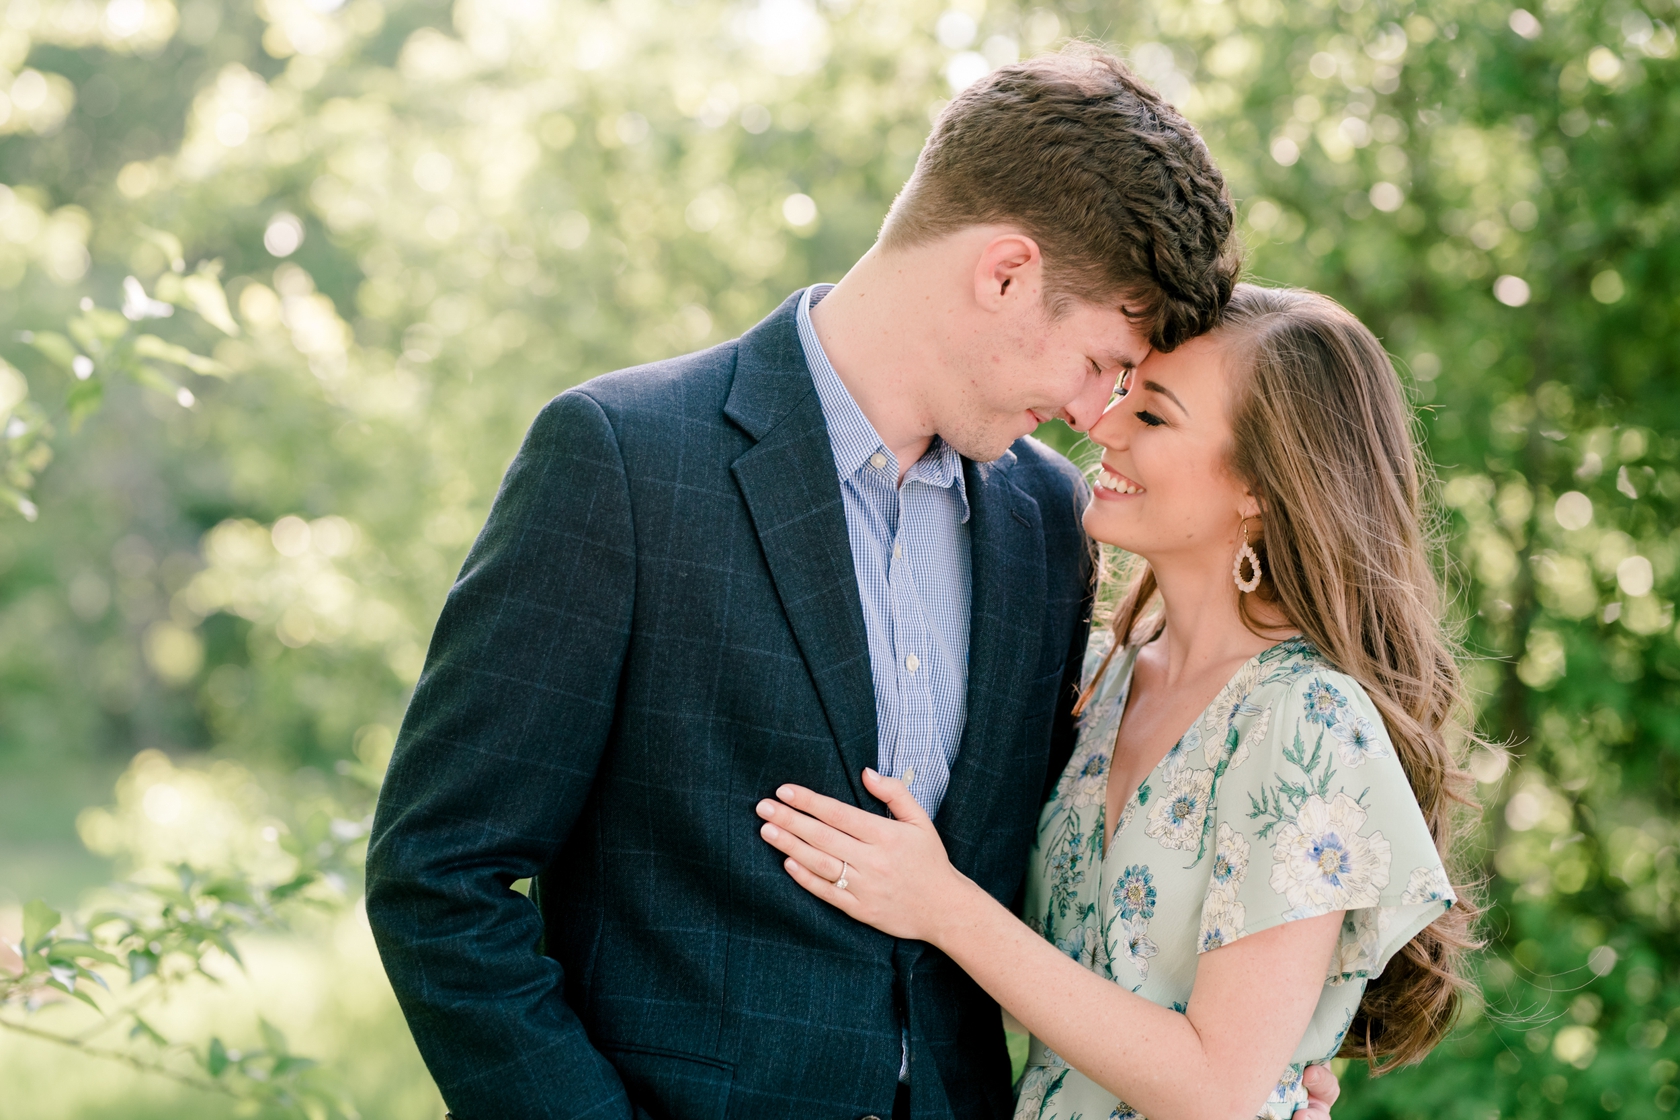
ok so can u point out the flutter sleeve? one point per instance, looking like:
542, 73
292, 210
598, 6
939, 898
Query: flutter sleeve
1313, 814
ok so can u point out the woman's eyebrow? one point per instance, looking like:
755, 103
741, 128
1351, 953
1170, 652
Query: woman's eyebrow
1157, 387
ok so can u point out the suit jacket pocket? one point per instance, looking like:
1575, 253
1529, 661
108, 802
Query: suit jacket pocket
670, 1085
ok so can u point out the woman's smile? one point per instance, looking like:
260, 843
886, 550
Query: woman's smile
1111, 485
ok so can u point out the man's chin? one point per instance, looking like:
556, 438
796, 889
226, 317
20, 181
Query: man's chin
985, 449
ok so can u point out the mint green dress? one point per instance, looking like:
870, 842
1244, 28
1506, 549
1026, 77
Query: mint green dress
1284, 800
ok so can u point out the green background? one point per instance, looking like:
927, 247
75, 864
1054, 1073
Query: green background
500, 198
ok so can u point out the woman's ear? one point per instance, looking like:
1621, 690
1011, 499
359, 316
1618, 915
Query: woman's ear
1248, 508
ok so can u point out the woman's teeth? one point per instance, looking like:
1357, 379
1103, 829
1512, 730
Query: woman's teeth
1118, 483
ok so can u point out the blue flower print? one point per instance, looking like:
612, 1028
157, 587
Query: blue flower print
1324, 704
1134, 893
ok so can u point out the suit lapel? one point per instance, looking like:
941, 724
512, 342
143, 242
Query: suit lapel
792, 492
1007, 542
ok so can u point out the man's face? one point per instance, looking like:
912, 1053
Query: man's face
1030, 368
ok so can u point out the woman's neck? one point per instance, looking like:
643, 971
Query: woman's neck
1204, 627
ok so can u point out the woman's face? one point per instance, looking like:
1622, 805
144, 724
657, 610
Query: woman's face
1166, 491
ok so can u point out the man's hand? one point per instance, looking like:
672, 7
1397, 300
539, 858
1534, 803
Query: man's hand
1322, 1091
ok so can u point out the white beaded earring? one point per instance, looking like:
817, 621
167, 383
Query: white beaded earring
1246, 552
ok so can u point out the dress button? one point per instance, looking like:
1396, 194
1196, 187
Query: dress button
912, 663
877, 460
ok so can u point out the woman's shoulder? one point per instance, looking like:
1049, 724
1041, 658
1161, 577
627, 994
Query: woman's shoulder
1301, 712
1296, 671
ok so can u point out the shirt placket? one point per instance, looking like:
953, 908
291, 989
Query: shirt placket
910, 648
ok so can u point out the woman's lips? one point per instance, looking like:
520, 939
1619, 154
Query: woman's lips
1114, 482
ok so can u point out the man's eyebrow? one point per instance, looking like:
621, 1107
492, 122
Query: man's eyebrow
1157, 387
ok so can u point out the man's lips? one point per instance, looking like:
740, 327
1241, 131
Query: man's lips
1114, 482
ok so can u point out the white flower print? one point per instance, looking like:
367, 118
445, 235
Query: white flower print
1088, 785
1428, 884
1035, 1087
1230, 705
1222, 921
1126, 816
1082, 944
1124, 1111
1230, 860
1356, 956
1136, 945
1073, 944
1176, 820
1358, 740
1321, 863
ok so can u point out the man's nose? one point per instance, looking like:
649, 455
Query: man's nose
1087, 408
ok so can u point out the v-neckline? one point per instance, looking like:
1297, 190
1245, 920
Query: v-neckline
1114, 739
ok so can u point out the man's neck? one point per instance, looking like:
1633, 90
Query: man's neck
875, 328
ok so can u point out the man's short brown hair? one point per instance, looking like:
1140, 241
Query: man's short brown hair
1115, 186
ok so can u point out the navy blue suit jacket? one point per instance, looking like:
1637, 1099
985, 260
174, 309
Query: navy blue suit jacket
657, 626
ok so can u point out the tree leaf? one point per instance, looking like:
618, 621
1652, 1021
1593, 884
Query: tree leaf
169, 243
215, 1058
55, 347
143, 1029
203, 290
72, 949
39, 920
273, 1039
151, 346
141, 964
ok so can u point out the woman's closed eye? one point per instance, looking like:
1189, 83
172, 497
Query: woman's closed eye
1150, 418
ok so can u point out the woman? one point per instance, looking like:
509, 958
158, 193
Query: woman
1238, 918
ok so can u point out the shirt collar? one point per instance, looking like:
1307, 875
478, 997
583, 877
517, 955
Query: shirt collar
852, 436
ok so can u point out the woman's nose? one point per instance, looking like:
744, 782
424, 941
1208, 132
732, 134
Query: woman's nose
1110, 429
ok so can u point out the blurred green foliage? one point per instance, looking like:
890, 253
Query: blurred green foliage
281, 286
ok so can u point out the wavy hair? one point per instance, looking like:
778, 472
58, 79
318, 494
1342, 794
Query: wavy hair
1322, 435
1111, 181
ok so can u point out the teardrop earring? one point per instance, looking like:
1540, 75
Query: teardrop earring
1246, 552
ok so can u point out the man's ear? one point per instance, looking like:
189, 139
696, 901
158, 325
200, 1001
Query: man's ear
1010, 266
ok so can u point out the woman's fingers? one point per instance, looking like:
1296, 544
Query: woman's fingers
830, 841
1322, 1087
821, 887
818, 863
845, 818
896, 795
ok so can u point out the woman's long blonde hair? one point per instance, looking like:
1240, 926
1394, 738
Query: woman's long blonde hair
1321, 433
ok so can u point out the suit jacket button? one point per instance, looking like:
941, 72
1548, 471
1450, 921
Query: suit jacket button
871, 1116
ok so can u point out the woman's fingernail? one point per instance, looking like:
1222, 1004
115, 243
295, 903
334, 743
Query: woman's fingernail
770, 832
785, 792
790, 864
869, 772
766, 807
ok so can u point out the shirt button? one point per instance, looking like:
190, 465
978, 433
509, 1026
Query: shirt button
877, 460
912, 663
898, 551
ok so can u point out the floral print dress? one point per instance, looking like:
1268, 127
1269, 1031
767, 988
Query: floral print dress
1284, 800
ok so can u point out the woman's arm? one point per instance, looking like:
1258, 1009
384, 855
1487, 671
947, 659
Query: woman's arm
1219, 1060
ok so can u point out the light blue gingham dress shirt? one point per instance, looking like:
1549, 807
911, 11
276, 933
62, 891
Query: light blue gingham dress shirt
910, 549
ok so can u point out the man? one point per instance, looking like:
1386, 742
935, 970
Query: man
823, 546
